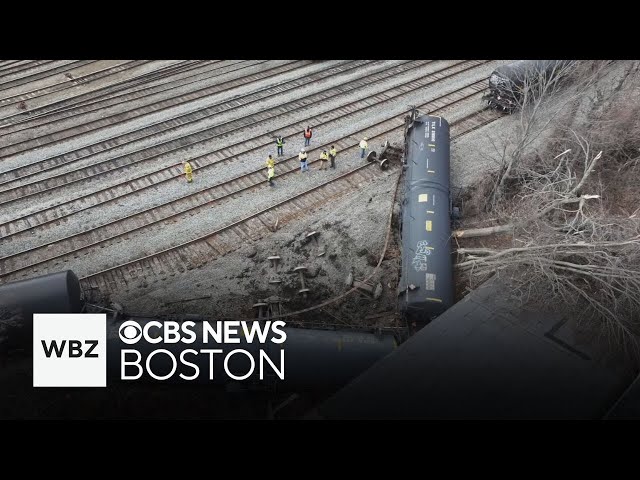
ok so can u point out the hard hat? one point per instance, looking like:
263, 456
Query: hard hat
365, 138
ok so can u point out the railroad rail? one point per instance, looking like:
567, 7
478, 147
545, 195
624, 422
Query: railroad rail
230, 152
120, 93
162, 105
206, 198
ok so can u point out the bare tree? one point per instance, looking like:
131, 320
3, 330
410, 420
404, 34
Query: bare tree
572, 211
539, 100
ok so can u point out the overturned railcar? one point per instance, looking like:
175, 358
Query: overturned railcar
507, 82
317, 360
53, 293
426, 280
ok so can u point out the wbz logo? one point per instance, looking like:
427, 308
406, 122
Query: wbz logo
75, 348
69, 350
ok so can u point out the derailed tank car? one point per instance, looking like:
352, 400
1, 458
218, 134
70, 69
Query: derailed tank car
317, 360
507, 82
53, 293
426, 281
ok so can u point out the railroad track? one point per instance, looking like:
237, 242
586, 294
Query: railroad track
64, 66
223, 156
474, 121
165, 104
69, 83
62, 250
213, 245
100, 198
26, 171
9, 64
181, 144
68, 103
21, 66
122, 93
201, 250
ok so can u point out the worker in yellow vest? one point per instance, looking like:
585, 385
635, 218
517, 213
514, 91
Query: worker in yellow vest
280, 144
363, 146
332, 156
270, 174
188, 172
323, 160
270, 163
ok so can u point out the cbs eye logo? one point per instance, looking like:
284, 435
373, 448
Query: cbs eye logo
130, 332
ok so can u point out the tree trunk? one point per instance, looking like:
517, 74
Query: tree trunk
483, 232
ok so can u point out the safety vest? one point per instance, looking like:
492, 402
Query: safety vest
302, 157
187, 168
279, 142
307, 134
324, 156
333, 152
271, 172
270, 162
363, 144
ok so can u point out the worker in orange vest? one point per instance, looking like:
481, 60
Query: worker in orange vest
307, 136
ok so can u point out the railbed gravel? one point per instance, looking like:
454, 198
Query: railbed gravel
178, 187
89, 138
54, 122
212, 121
326, 134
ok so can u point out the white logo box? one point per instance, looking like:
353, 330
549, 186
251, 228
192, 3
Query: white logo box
76, 344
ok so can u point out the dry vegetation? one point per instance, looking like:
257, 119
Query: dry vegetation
570, 207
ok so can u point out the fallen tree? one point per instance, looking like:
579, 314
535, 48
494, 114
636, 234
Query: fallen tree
570, 210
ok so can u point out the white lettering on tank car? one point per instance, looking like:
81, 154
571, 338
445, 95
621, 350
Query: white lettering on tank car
420, 259
430, 281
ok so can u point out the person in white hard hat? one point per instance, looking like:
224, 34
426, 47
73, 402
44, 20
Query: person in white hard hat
303, 160
363, 146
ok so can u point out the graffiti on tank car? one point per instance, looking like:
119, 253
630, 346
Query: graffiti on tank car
419, 261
